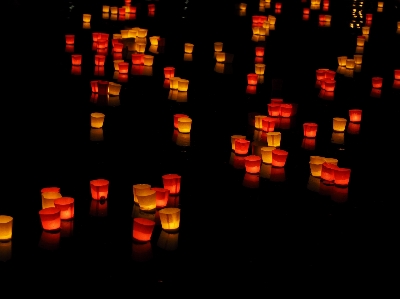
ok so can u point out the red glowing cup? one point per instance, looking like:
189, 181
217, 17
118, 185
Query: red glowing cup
172, 182
260, 51
274, 110
252, 79
123, 67
310, 130
377, 82
99, 60
142, 229
99, 189
268, 124
66, 207
355, 115
176, 117
102, 87
50, 218
241, 146
342, 176
279, 157
70, 39
138, 59
161, 197
328, 172
252, 163
94, 86
169, 72
286, 110
76, 59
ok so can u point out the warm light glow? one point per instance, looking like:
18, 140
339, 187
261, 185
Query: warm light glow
86, 18
161, 197
377, 82
142, 229
169, 72
360, 41
339, 124
189, 48
184, 124
48, 198
96, 134
123, 67
106, 8
241, 146
316, 167
114, 88
286, 110
146, 199
242, 6
70, 39
321, 73
99, 189
328, 172
358, 59
172, 182
274, 109
342, 176
355, 115
260, 51
138, 189
350, 63
365, 30
279, 157
114, 10
148, 60
66, 207
99, 60
173, 81
252, 79
154, 40
183, 85
97, 120
50, 218
6, 223
310, 130
170, 218
234, 137
220, 57
259, 68
306, 11
252, 163
342, 60
268, 124
353, 128
266, 154
102, 87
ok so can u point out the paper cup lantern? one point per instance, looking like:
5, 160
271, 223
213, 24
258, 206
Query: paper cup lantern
169, 72
350, 64
184, 124
66, 207
76, 59
173, 82
279, 157
97, 120
259, 68
147, 199
220, 57
274, 109
328, 172
377, 82
142, 229
50, 218
266, 154
106, 8
6, 223
310, 130
355, 115
48, 199
99, 189
339, 124
241, 146
234, 137
183, 85
161, 197
252, 79
397, 74
342, 60
358, 59
172, 182
286, 110
252, 163
242, 6
218, 46
360, 41
70, 39
274, 139
123, 67
148, 60
114, 88
170, 219
258, 121
268, 124
154, 40
114, 10
316, 168
86, 18
176, 117
260, 51
342, 176
99, 60
189, 48
139, 189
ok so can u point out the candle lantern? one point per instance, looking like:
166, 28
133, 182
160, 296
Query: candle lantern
184, 124
342, 176
118, 47
97, 120
329, 85
148, 60
86, 18
368, 17
241, 146
342, 60
138, 59
172, 182
99, 60
50, 218
397, 74
328, 172
183, 85
121, 11
142, 229
189, 48
252, 163
266, 154
94, 86
161, 197
358, 59
268, 124
169, 72
48, 198
259, 68
123, 67
114, 88
350, 63
141, 47
170, 218
141, 32
154, 40
70, 39
102, 87
176, 117
279, 157
339, 124
329, 75
99, 189
355, 115
242, 6
106, 8
274, 139
252, 79
218, 46
114, 10
220, 57
274, 109
173, 81
286, 110
377, 82
306, 11
316, 168
360, 41
310, 130
260, 51
365, 30
138, 189
76, 59
258, 121
66, 207
234, 137
147, 199
6, 223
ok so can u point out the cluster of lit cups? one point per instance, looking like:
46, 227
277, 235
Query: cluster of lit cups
326, 81
126, 12
328, 171
347, 66
182, 128
223, 64
259, 69
261, 25
324, 20
339, 126
178, 87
